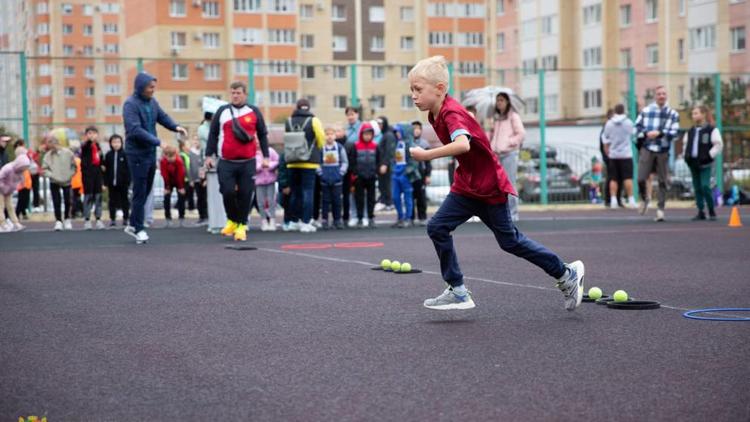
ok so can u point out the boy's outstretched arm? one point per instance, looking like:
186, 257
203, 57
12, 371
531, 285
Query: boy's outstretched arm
459, 146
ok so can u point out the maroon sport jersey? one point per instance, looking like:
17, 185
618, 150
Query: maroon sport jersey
479, 174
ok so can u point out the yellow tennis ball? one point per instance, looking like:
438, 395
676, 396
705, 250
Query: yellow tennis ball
595, 293
395, 266
406, 267
620, 296
385, 264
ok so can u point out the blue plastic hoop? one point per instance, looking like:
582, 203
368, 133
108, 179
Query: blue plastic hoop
691, 314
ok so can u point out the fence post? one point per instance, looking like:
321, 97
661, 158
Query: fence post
450, 78
632, 110
139, 64
542, 142
24, 99
719, 125
251, 81
353, 85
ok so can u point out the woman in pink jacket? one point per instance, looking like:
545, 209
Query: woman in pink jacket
11, 175
265, 188
507, 138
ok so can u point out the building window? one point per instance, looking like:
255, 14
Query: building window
470, 39
681, 7
550, 103
529, 67
90, 112
46, 110
440, 38
339, 44
439, 9
625, 16
681, 93
44, 70
177, 8
110, 8
109, 28
67, 50
377, 14
178, 39
407, 103
340, 101
89, 91
652, 54
377, 44
282, 67
738, 39
179, 71
703, 38
681, 50
407, 43
592, 98
625, 59
501, 41
42, 8
470, 10
45, 90
113, 110
312, 100
283, 6
211, 9
88, 30
281, 36
471, 68
42, 29
247, 6
179, 102
211, 40
592, 15
111, 48
112, 69
306, 11
549, 25
67, 8
500, 7
377, 72
407, 14
307, 41
248, 36
532, 105
405, 72
283, 98
112, 89
70, 91
308, 72
549, 62
528, 29
338, 13
652, 11
377, 101
339, 72
69, 71
592, 57
70, 113
67, 29
212, 72
88, 10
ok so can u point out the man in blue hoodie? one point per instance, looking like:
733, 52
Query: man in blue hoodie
140, 114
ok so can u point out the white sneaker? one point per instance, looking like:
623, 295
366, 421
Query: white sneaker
613, 203
659, 216
58, 225
18, 227
3, 229
272, 225
141, 237
572, 286
130, 231
316, 224
307, 228
379, 207
99, 225
263, 225
87, 225
8, 224
68, 225
352, 223
475, 219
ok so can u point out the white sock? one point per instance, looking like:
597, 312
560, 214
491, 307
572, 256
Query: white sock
631, 200
460, 290
613, 202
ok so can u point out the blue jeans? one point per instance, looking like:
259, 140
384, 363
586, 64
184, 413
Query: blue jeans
302, 182
456, 209
400, 185
142, 171
331, 201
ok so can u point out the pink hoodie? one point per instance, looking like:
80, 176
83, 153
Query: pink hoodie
12, 173
268, 175
507, 134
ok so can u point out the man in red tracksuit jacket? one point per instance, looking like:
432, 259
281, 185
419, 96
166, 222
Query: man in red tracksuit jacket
173, 172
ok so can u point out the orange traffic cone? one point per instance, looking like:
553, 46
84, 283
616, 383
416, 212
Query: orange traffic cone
734, 218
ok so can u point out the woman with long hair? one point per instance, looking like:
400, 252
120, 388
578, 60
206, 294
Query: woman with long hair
507, 137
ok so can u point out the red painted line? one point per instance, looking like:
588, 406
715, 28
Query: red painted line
303, 246
354, 245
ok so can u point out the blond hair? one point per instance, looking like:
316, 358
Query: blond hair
433, 69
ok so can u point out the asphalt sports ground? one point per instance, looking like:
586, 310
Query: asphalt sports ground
95, 328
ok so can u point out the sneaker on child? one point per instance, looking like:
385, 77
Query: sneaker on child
451, 300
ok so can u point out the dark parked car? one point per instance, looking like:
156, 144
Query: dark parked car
562, 183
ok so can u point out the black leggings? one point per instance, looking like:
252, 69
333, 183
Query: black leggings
23, 202
118, 198
168, 204
56, 203
237, 186
360, 186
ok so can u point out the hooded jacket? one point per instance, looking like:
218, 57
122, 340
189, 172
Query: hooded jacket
617, 134
59, 165
365, 156
116, 168
398, 157
266, 176
140, 116
11, 174
507, 133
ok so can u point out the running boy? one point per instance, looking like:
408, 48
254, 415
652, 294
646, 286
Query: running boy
480, 188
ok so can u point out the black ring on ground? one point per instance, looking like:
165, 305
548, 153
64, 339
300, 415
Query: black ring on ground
604, 301
241, 247
635, 305
413, 271
586, 298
